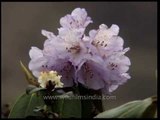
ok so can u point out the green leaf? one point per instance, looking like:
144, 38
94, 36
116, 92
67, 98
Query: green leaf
32, 89
67, 107
25, 105
136, 109
29, 77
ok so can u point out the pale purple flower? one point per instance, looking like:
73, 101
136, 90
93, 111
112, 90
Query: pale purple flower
76, 20
106, 73
96, 61
111, 71
41, 62
106, 39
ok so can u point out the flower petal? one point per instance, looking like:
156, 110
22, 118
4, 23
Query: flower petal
90, 75
35, 53
47, 34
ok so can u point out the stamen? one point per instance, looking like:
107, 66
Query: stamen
91, 53
112, 65
101, 44
75, 49
76, 67
98, 42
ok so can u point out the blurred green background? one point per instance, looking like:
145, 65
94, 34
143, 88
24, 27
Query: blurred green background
21, 28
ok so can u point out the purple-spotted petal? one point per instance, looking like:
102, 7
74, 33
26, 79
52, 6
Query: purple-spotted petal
91, 75
77, 19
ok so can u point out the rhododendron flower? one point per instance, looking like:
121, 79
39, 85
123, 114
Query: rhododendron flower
96, 61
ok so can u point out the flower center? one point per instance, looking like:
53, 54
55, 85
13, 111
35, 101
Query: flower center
74, 49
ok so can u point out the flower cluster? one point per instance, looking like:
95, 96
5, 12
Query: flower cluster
97, 61
51, 76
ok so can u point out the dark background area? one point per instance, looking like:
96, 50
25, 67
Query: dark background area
21, 29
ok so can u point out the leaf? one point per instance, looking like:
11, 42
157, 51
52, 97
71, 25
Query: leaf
29, 77
67, 107
36, 90
25, 105
32, 89
136, 109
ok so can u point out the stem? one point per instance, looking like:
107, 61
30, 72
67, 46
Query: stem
90, 107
